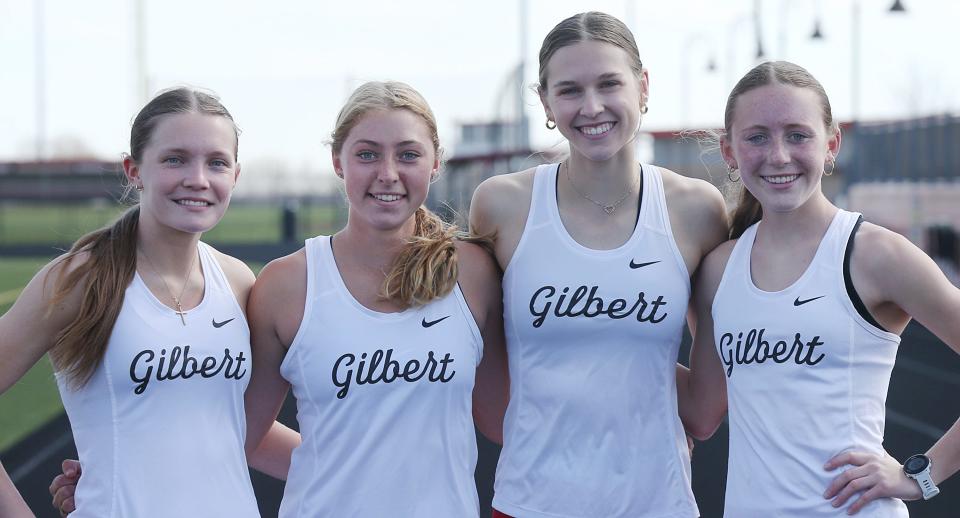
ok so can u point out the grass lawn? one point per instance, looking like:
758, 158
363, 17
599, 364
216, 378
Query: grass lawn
22, 224
34, 399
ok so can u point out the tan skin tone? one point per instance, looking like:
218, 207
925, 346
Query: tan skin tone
894, 278
364, 250
592, 83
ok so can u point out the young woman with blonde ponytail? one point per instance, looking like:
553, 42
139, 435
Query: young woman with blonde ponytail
145, 327
389, 332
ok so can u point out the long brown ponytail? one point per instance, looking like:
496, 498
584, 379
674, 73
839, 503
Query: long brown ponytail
104, 276
112, 252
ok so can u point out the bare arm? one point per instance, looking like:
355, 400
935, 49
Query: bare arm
480, 281
274, 310
11, 503
27, 332
699, 222
897, 281
499, 210
703, 400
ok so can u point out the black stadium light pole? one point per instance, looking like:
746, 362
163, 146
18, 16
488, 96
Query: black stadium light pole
40, 70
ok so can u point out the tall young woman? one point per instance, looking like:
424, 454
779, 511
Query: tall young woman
805, 308
597, 253
145, 327
389, 332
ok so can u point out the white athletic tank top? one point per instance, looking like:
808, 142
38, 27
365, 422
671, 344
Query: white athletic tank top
160, 426
384, 402
807, 379
592, 428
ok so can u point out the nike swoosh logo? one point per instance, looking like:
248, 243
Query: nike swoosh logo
220, 324
433, 322
641, 265
798, 302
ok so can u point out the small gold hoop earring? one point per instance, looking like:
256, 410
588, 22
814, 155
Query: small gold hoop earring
832, 165
550, 124
730, 174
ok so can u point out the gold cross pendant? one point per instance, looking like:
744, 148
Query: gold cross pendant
181, 312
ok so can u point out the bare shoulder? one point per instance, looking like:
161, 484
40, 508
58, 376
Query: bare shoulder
57, 270
697, 198
879, 252
501, 198
698, 216
476, 263
239, 275
715, 262
285, 273
711, 273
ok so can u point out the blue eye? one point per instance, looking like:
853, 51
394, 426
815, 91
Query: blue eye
609, 84
409, 156
367, 155
173, 160
798, 137
757, 139
568, 91
219, 162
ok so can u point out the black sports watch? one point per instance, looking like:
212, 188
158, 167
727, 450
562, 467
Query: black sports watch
918, 467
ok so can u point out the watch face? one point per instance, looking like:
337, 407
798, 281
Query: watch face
916, 464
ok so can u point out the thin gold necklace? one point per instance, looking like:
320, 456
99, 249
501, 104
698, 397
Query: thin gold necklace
609, 208
176, 299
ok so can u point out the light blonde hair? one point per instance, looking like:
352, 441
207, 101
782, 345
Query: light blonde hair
426, 268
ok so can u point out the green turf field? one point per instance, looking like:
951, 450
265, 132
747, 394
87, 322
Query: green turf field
34, 399
244, 223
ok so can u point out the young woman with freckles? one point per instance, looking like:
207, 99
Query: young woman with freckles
389, 332
800, 317
597, 253
153, 389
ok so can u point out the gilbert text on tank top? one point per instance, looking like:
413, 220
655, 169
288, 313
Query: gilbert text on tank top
160, 426
384, 402
807, 378
592, 335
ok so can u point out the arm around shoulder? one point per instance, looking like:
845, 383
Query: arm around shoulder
239, 275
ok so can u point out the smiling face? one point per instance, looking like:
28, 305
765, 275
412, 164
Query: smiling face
187, 172
780, 143
386, 162
594, 96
